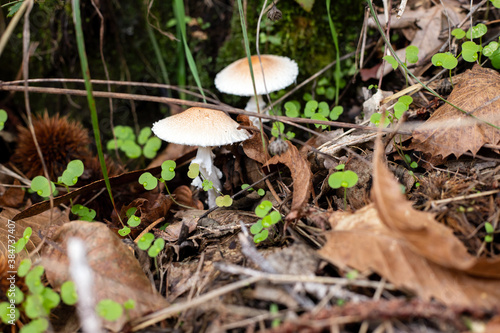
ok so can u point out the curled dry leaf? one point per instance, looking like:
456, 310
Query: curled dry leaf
301, 175
410, 248
40, 224
117, 274
253, 147
449, 131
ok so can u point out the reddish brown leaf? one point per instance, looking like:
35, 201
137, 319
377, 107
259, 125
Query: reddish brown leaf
253, 147
449, 131
410, 249
301, 175
117, 274
13, 196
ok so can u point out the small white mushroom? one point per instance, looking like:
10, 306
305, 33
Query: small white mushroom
235, 79
204, 128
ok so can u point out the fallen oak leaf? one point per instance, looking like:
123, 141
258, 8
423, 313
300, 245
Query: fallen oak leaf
301, 175
450, 131
117, 274
410, 249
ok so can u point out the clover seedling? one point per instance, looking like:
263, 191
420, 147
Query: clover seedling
446, 60
458, 33
3, 118
70, 176
6, 313
470, 51
194, 170
489, 231
377, 117
223, 201
476, 31
42, 186
402, 105
84, 213
145, 241
24, 267
68, 293
345, 179
21, 243
126, 142
412, 54
133, 221
109, 309
148, 181
157, 246
292, 109
168, 170
390, 59
259, 228
336, 112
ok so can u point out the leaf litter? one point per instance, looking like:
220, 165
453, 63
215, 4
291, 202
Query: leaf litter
380, 258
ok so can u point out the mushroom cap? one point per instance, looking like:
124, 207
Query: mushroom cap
235, 79
199, 127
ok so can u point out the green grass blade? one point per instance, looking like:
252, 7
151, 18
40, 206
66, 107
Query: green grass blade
90, 98
181, 22
158, 54
337, 51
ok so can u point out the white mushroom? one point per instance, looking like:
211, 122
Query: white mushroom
235, 79
204, 128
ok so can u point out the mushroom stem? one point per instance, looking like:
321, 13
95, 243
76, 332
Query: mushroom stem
252, 106
205, 159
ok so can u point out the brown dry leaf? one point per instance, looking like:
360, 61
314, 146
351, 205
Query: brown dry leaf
13, 196
118, 275
40, 224
253, 147
301, 175
449, 131
410, 249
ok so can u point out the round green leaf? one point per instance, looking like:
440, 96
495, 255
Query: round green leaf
412, 54
51, 299
256, 227
310, 108
194, 170
38, 325
390, 59
131, 211
458, 33
112, 145
495, 3
41, 186
446, 60
124, 133
17, 296
495, 59
68, 178
335, 179
489, 49
336, 112
277, 129
340, 167
151, 148
291, 109
223, 201
263, 208
109, 309
330, 93
261, 236
469, 51
9, 313
33, 306
275, 217
124, 231
266, 221
149, 181
318, 116
168, 170
33, 279
324, 109
75, 167
477, 31
399, 109
407, 100
131, 149
68, 293
261, 192
3, 115
144, 135
145, 241
134, 221
129, 304
489, 227
320, 91
24, 267
350, 177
